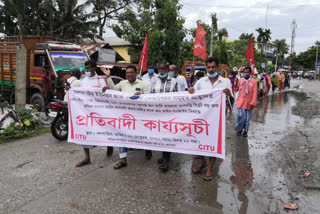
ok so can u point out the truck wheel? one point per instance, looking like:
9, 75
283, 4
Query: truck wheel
37, 101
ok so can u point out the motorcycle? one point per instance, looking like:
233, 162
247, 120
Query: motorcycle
59, 126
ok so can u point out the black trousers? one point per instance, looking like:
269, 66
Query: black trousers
274, 87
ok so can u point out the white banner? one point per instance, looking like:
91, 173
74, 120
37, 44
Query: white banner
174, 122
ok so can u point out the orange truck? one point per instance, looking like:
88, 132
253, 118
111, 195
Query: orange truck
41, 51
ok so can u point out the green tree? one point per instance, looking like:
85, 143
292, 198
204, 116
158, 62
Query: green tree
281, 48
58, 18
108, 10
222, 33
306, 59
18, 17
264, 37
236, 51
220, 51
74, 22
246, 36
162, 22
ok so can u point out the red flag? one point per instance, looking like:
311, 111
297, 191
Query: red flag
250, 56
199, 46
143, 62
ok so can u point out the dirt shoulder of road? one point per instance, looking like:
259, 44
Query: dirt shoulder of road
301, 147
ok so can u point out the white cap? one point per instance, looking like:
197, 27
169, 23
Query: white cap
235, 69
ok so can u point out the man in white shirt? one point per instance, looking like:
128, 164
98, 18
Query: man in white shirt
92, 80
173, 72
165, 84
150, 76
183, 79
130, 85
211, 81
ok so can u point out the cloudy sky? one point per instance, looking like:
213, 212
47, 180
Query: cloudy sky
244, 16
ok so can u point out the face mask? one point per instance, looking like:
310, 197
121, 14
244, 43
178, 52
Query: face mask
241, 75
246, 76
138, 76
172, 74
88, 73
255, 76
150, 70
163, 76
212, 75
230, 76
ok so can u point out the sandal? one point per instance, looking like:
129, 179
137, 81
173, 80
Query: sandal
83, 163
245, 134
208, 177
198, 168
238, 133
120, 165
164, 167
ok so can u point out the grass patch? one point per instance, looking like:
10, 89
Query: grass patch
14, 133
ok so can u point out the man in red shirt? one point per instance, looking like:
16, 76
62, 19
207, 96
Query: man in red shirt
47, 89
246, 101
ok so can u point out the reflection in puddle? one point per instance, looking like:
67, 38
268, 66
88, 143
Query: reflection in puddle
245, 182
243, 172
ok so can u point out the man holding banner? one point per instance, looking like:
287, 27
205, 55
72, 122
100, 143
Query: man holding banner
216, 82
165, 84
92, 80
134, 86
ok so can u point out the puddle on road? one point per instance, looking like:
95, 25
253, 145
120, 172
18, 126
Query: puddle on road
248, 180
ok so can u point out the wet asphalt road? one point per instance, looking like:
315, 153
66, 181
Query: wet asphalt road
259, 174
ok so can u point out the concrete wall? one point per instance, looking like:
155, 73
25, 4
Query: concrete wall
21, 78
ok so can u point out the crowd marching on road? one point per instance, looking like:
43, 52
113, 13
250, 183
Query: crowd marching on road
244, 86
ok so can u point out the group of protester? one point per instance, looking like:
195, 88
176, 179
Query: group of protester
168, 80
265, 82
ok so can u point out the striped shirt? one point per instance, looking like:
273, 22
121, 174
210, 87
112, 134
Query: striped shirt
165, 86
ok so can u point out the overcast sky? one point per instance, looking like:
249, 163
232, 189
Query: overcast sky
244, 16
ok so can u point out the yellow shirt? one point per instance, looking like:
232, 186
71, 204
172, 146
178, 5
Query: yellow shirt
125, 86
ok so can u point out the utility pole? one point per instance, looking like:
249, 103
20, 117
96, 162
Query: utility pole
316, 66
211, 39
293, 35
267, 16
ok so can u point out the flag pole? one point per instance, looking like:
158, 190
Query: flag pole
241, 65
242, 62
141, 66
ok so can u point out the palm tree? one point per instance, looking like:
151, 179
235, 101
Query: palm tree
246, 36
280, 49
264, 37
222, 33
260, 37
